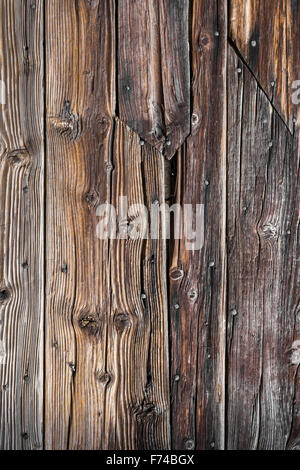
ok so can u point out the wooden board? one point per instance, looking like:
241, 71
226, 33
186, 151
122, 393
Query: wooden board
153, 70
80, 105
266, 33
106, 384
262, 219
21, 224
137, 400
198, 278
131, 342
293, 44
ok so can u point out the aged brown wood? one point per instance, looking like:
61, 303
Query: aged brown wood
198, 278
137, 400
21, 225
262, 221
132, 342
106, 347
80, 107
153, 70
293, 45
266, 33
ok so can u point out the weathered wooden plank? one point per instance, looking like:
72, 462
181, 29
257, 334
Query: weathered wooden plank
198, 278
21, 224
266, 34
106, 382
293, 54
153, 70
262, 224
137, 401
80, 105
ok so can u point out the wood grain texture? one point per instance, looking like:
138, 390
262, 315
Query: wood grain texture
266, 33
135, 342
80, 108
21, 225
106, 348
198, 278
137, 401
263, 296
293, 45
153, 70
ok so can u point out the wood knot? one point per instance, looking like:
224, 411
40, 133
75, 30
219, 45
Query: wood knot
4, 296
90, 322
18, 157
122, 321
176, 274
204, 42
104, 378
108, 167
66, 124
103, 123
144, 411
92, 198
26, 378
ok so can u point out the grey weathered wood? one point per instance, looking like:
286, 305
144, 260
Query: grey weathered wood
21, 225
198, 278
263, 299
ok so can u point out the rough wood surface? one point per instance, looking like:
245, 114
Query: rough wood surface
21, 225
136, 342
137, 401
80, 106
153, 70
266, 33
293, 45
198, 278
106, 348
262, 224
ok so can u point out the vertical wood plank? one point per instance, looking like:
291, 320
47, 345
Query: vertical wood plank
293, 48
266, 35
21, 224
80, 105
198, 278
153, 70
263, 312
137, 402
